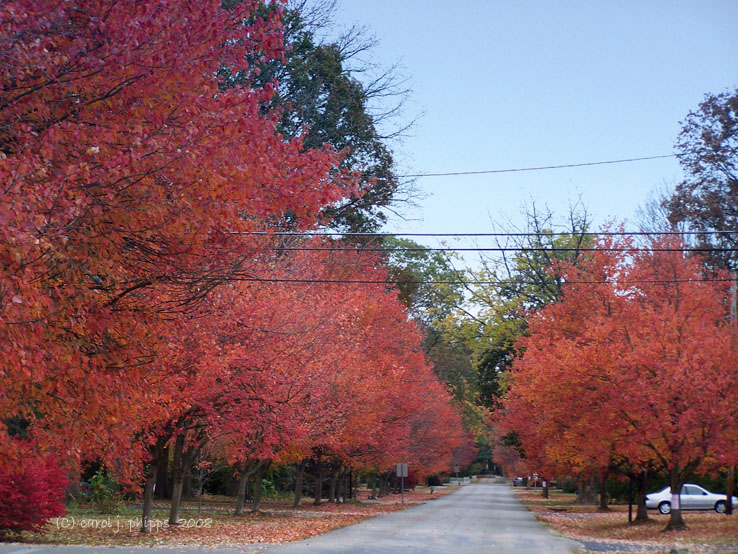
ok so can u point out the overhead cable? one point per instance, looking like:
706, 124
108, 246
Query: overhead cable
540, 168
473, 282
485, 249
453, 235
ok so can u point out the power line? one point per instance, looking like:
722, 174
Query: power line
485, 249
540, 168
468, 282
452, 235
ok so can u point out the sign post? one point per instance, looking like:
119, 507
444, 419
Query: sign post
401, 472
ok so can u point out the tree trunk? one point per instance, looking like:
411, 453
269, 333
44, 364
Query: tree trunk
642, 510
176, 502
341, 491
587, 490
234, 481
676, 521
642, 481
243, 483
318, 483
148, 499
187, 491
180, 469
299, 474
384, 483
332, 496
150, 475
729, 489
545, 488
177, 478
603, 492
163, 489
374, 486
260, 471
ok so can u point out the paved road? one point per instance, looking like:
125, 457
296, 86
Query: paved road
479, 518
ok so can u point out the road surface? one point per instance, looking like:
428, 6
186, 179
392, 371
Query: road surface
478, 518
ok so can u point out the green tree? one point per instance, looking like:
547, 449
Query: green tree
528, 278
428, 283
432, 289
324, 86
707, 199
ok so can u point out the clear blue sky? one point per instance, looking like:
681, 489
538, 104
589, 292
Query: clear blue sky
506, 84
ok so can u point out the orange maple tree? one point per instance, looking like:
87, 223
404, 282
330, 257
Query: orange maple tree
273, 370
343, 375
139, 307
128, 177
636, 370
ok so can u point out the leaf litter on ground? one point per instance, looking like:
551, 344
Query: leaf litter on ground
276, 522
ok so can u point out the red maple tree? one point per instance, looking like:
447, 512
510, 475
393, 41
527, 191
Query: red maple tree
129, 175
633, 368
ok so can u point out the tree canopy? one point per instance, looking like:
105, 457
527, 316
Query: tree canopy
707, 199
326, 88
143, 300
634, 368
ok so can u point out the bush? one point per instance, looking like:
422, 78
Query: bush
568, 484
32, 494
434, 481
475, 469
104, 493
267, 488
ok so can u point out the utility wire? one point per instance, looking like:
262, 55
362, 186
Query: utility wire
484, 249
452, 235
541, 168
471, 282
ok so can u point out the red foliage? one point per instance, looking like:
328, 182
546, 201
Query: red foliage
32, 492
279, 371
130, 301
639, 369
129, 178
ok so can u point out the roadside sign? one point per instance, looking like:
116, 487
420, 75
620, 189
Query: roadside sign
401, 471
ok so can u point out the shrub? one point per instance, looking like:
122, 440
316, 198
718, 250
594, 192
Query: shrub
267, 488
434, 481
568, 484
104, 493
31, 493
475, 469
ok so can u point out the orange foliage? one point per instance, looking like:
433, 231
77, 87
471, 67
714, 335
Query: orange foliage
130, 301
128, 175
638, 368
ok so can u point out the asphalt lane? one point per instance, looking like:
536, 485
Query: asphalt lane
478, 518
484, 517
